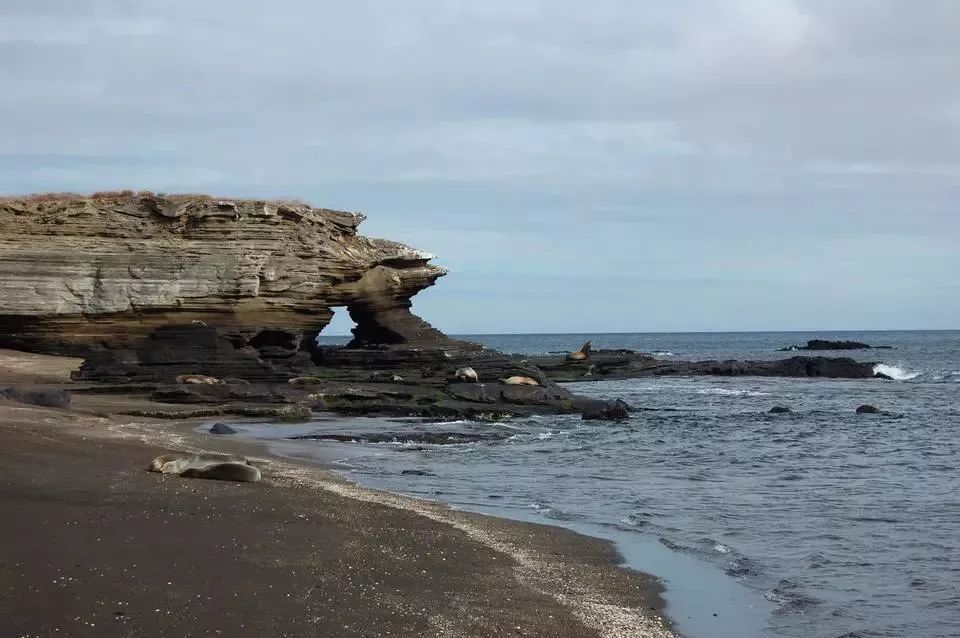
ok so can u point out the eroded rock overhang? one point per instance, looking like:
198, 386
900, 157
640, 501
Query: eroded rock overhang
165, 278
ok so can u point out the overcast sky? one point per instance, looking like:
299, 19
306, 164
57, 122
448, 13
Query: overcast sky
610, 165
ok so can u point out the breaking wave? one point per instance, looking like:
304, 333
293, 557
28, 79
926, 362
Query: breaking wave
894, 372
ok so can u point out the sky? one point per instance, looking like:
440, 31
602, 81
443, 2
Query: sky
611, 165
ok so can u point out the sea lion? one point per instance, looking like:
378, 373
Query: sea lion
302, 381
224, 472
199, 379
518, 380
468, 375
580, 354
176, 463
385, 377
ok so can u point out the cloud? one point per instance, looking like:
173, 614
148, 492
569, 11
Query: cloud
525, 137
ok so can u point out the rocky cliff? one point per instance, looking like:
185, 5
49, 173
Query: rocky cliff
156, 276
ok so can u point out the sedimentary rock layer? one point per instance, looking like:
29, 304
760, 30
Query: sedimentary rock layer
149, 273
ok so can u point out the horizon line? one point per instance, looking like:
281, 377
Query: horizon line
650, 332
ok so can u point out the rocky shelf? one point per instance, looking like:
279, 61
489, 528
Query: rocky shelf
822, 344
217, 303
627, 364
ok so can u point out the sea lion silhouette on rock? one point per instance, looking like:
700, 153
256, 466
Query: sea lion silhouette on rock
198, 379
385, 377
582, 354
224, 467
467, 374
519, 380
303, 381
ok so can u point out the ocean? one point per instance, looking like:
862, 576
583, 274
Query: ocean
820, 522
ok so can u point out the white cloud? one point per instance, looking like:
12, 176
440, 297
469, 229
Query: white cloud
745, 123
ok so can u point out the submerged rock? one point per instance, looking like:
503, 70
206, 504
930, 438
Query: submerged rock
417, 473
222, 428
43, 398
617, 410
780, 409
868, 409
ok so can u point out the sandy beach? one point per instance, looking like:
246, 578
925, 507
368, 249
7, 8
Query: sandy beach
93, 545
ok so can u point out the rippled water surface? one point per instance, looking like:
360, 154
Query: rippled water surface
838, 524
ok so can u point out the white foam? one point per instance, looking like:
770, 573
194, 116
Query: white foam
724, 392
720, 547
662, 353
894, 372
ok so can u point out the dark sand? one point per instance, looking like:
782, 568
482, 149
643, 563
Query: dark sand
93, 545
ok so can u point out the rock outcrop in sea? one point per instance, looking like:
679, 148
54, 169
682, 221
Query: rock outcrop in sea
217, 303
823, 344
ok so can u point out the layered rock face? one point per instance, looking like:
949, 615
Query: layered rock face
140, 280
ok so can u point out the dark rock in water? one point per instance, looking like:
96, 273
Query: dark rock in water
43, 398
823, 344
608, 364
880, 375
780, 409
417, 473
617, 410
868, 409
222, 428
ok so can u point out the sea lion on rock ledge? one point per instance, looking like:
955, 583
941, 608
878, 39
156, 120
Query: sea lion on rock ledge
385, 377
198, 379
582, 354
302, 381
467, 374
518, 380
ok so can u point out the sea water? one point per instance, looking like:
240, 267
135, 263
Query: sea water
820, 522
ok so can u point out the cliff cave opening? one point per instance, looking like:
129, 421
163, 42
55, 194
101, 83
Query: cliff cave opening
340, 329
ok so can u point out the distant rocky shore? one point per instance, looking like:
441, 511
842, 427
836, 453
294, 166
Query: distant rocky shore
214, 306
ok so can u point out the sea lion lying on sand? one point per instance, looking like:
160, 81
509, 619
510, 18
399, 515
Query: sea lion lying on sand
156, 465
518, 380
224, 472
224, 467
582, 354
199, 379
468, 375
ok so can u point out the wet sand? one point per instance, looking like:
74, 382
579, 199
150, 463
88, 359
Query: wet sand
93, 545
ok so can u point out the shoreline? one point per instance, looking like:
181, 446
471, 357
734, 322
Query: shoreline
702, 600
563, 583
